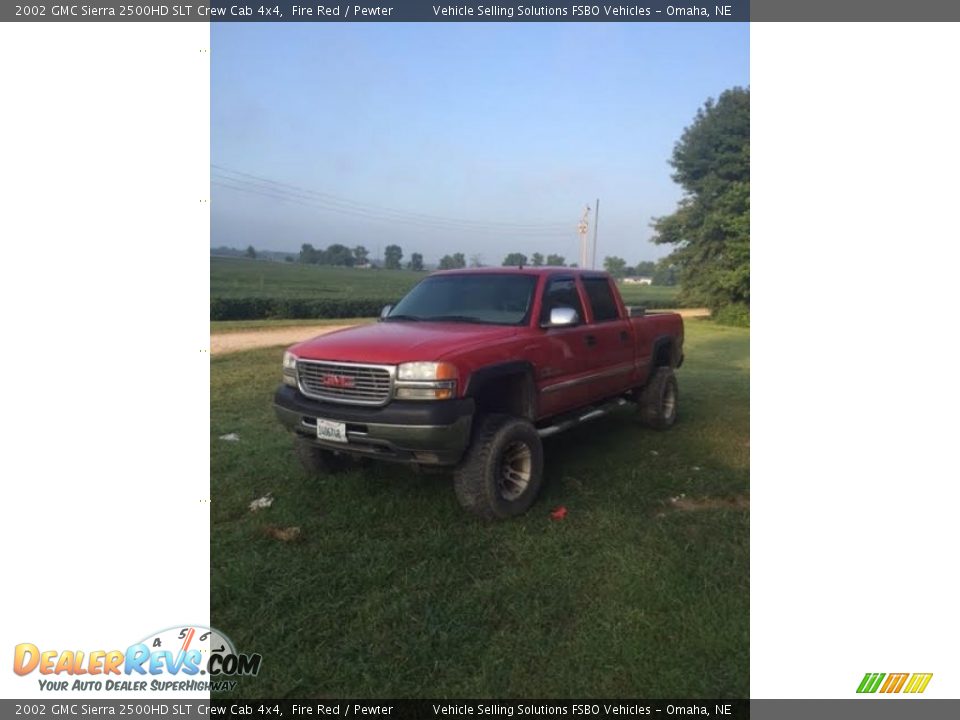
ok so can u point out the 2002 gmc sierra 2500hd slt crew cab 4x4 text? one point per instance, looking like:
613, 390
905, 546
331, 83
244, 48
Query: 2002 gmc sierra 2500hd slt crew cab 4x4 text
471, 369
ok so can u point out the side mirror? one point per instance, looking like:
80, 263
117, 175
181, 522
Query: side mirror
385, 311
563, 316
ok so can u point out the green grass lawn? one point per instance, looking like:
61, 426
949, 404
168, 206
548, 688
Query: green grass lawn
395, 592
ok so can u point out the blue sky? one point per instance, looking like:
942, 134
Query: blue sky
517, 124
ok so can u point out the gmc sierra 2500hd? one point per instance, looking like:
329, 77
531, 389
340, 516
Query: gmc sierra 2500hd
471, 369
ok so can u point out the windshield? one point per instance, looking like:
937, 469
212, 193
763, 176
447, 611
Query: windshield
493, 299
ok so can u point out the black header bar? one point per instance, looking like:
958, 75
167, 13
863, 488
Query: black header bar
874, 708
482, 11
381, 11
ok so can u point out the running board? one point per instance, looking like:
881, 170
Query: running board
591, 414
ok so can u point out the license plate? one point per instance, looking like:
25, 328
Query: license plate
331, 431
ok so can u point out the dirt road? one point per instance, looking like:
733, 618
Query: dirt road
231, 342
223, 343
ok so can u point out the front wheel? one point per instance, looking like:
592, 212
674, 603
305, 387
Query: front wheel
502, 472
659, 399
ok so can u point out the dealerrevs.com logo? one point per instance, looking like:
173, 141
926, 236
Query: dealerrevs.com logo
894, 683
182, 659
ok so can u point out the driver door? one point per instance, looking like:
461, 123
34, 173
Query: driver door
560, 380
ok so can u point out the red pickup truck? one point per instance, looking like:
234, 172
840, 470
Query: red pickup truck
471, 369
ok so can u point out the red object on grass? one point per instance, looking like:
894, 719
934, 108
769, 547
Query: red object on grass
559, 514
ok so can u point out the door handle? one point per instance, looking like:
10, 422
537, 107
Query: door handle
624, 336
591, 340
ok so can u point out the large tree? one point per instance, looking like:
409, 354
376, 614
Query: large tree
338, 254
452, 262
536, 259
614, 265
711, 226
308, 253
515, 258
392, 255
665, 272
416, 262
645, 268
361, 255
556, 260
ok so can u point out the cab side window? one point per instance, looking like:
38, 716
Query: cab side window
602, 303
561, 292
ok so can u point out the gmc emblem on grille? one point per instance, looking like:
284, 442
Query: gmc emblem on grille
337, 381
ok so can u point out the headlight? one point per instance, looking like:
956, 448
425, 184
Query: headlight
290, 369
426, 371
426, 381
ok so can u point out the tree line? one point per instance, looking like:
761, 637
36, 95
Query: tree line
660, 272
536, 260
663, 272
359, 256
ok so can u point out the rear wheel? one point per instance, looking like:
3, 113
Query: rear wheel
317, 460
502, 472
659, 398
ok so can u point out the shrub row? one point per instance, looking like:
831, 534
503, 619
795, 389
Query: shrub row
260, 308
264, 308
737, 315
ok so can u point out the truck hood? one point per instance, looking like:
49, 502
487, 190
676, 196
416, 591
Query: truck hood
390, 343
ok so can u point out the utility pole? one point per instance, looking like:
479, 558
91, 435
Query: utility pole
596, 225
582, 231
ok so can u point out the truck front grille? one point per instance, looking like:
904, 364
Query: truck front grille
345, 382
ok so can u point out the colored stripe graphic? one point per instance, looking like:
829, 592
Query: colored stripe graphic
870, 682
918, 683
894, 682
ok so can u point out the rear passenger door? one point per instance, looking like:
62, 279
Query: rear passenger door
609, 352
560, 378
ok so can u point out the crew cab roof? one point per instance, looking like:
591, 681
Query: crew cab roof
524, 270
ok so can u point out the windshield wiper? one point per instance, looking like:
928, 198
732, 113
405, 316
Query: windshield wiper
412, 318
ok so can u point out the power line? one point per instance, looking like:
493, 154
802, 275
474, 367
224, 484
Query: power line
380, 209
244, 181
306, 202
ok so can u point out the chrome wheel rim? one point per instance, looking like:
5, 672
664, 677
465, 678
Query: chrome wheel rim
516, 466
669, 401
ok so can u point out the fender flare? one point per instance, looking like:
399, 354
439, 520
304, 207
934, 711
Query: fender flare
481, 377
659, 343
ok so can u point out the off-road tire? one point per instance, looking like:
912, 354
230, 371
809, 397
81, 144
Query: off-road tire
659, 399
319, 461
486, 484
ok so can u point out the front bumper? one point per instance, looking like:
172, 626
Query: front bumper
428, 433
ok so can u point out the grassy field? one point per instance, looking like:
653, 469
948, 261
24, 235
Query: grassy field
218, 327
242, 289
239, 277
662, 295
394, 592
